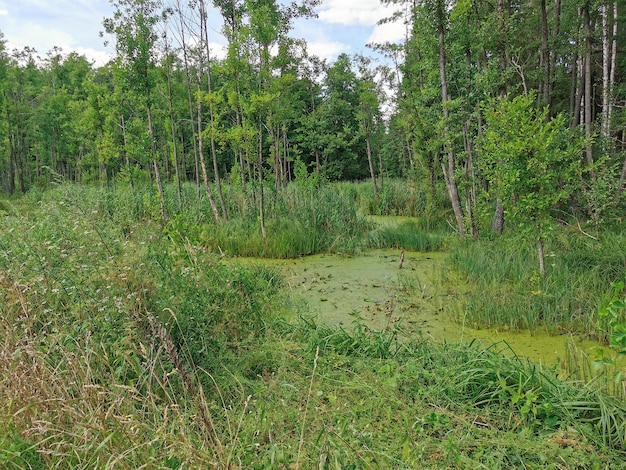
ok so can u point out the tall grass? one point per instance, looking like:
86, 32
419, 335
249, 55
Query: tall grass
397, 198
407, 235
109, 338
507, 290
498, 382
298, 222
300, 219
133, 347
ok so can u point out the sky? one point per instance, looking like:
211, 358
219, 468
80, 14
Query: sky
342, 26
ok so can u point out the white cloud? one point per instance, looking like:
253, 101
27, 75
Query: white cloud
326, 49
353, 12
38, 36
218, 51
388, 32
99, 58
71, 25
4, 12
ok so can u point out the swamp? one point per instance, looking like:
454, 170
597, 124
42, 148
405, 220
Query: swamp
271, 253
128, 344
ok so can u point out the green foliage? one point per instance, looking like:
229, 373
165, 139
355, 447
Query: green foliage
531, 162
612, 319
612, 326
16, 453
207, 305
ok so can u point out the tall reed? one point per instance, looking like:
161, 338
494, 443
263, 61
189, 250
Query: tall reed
506, 288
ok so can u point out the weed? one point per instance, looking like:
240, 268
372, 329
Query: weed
122, 346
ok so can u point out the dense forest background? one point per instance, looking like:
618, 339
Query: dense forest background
505, 106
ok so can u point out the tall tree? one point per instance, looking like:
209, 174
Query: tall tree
24, 81
339, 123
204, 34
7, 168
449, 171
369, 112
134, 26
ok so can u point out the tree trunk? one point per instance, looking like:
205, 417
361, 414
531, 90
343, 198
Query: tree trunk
20, 170
381, 169
205, 177
286, 159
606, 61
545, 55
189, 96
448, 173
11, 175
577, 88
540, 253
608, 68
409, 151
588, 87
173, 132
205, 36
612, 65
368, 144
497, 225
261, 198
239, 149
470, 193
454, 194
12, 155
555, 35
155, 163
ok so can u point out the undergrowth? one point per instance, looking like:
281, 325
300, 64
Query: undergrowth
125, 346
506, 289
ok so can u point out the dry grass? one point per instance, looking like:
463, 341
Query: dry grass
64, 398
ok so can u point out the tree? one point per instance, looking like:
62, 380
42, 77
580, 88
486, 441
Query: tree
339, 123
21, 94
7, 168
531, 162
134, 25
369, 112
310, 140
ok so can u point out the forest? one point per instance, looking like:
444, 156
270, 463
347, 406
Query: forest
436, 110
157, 214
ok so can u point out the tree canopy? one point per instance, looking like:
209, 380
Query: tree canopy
462, 104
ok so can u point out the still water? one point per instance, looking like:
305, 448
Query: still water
373, 289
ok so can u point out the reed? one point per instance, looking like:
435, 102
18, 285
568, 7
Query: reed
507, 290
409, 236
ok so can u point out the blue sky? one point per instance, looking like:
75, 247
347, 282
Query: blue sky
343, 26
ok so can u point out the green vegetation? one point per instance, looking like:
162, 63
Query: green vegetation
133, 334
506, 289
124, 344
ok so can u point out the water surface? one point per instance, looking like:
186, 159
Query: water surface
371, 288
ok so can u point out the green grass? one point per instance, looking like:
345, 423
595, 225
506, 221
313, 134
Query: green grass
506, 289
397, 197
124, 346
407, 235
299, 220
